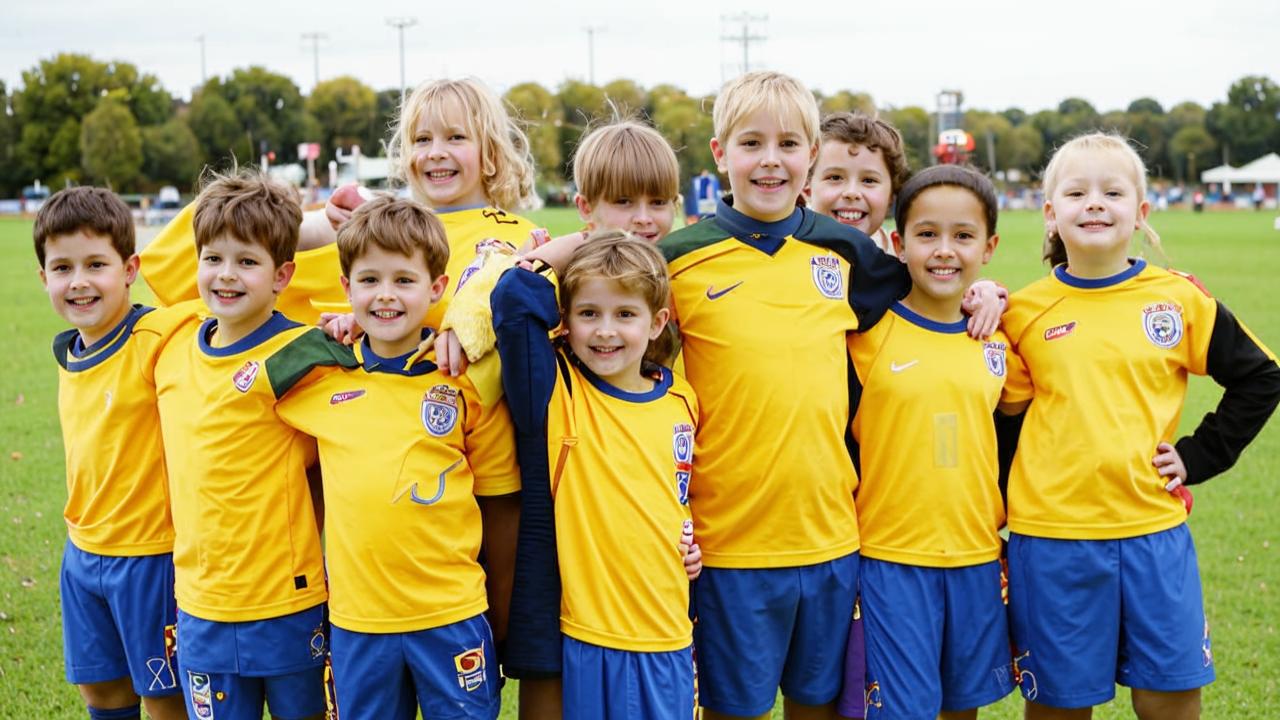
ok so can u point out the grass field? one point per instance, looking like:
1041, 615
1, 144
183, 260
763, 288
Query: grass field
1236, 255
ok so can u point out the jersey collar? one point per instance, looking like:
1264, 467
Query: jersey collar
1136, 266
411, 364
78, 358
915, 318
766, 237
660, 386
274, 325
459, 208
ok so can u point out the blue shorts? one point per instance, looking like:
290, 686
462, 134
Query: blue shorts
118, 615
761, 629
937, 638
605, 684
231, 668
448, 672
1087, 614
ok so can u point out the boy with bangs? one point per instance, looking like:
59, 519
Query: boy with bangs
418, 469
861, 165
249, 576
765, 293
117, 568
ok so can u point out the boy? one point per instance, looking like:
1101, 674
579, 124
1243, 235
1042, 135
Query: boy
117, 567
412, 460
249, 576
861, 165
762, 295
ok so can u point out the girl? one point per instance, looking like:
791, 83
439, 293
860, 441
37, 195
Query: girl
1104, 586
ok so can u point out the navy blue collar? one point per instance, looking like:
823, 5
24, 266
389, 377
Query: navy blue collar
766, 237
660, 386
1135, 266
274, 325
411, 364
915, 318
105, 347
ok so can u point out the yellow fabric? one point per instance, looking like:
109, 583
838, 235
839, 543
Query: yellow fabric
395, 562
929, 492
765, 349
619, 514
1104, 394
469, 315
247, 545
117, 493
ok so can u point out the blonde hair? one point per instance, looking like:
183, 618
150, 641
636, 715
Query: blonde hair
634, 264
780, 94
396, 225
506, 164
1054, 251
252, 208
625, 159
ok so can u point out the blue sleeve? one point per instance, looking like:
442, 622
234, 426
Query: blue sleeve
524, 312
878, 280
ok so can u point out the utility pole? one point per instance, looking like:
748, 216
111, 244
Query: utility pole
315, 38
204, 76
400, 23
591, 31
745, 37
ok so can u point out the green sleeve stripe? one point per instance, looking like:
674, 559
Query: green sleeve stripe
691, 238
312, 349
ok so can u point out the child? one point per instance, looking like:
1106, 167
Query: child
861, 165
936, 635
1104, 586
249, 576
765, 293
117, 568
616, 435
460, 154
412, 461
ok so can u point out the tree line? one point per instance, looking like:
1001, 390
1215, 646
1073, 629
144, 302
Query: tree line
80, 120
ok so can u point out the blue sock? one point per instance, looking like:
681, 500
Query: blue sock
133, 712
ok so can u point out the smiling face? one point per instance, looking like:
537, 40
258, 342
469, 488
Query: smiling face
767, 160
390, 295
446, 161
239, 282
945, 243
609, 331
644, 216
1096, 206
88, 282
852, 184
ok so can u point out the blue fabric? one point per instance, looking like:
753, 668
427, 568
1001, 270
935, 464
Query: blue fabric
761, 629
115, 611
605, 684
133, 712
257, 648
447, 672
1087, 614
227, 696
936, 638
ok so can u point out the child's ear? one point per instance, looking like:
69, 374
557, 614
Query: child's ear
438, 286
131, 269
899, 247
659, 323
346, 287
584, 207
717, 153
44, 279
992, 242
284, 274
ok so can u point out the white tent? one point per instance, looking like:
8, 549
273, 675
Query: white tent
1263, 171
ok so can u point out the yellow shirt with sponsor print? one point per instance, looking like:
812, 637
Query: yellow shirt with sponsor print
404, 451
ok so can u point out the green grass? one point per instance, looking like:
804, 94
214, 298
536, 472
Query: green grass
1236, 255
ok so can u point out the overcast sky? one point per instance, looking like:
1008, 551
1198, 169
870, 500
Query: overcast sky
999, 53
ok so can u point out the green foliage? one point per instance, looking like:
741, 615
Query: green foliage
845, 101
625, 97
913, 123
111, 144
10, 175
686, 124
269, 113
1248, 123
214, 123
171, 154
346, 113
541, 115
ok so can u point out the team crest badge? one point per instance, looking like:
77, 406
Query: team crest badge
682, 448
826, 276
440, 409
470, 666
1163, 324
245, 376
317, 643
201, 695
993, 353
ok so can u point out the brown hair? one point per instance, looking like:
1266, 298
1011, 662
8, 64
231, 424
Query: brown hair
854, 128
634, 264
956, 176
252, 208
625, 159
396, 225
87, 209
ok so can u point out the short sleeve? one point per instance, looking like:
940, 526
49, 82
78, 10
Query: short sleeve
491, 449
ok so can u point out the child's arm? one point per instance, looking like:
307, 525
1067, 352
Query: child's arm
876, 282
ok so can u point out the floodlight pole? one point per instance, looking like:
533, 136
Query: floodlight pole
400, 23
591, 31
204, 76
746, 38
315, 38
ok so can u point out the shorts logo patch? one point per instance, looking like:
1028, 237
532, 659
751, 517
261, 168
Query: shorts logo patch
1163, 324
440, 409
873, 699
682, 449
1206, 646
1025, 678
994, 354
317, 643
201, 695
161, 674
245, 376
470, 666
341, 397
826, 276
1058, 331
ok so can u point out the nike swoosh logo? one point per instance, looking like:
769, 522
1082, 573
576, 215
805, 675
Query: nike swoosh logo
713, 294
895, 367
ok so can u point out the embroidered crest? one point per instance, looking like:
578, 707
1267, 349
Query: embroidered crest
245, 376
440, 409
826, 276
317, 643
682, 449
1163, 324
1058, 331
470, 665
994, 354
